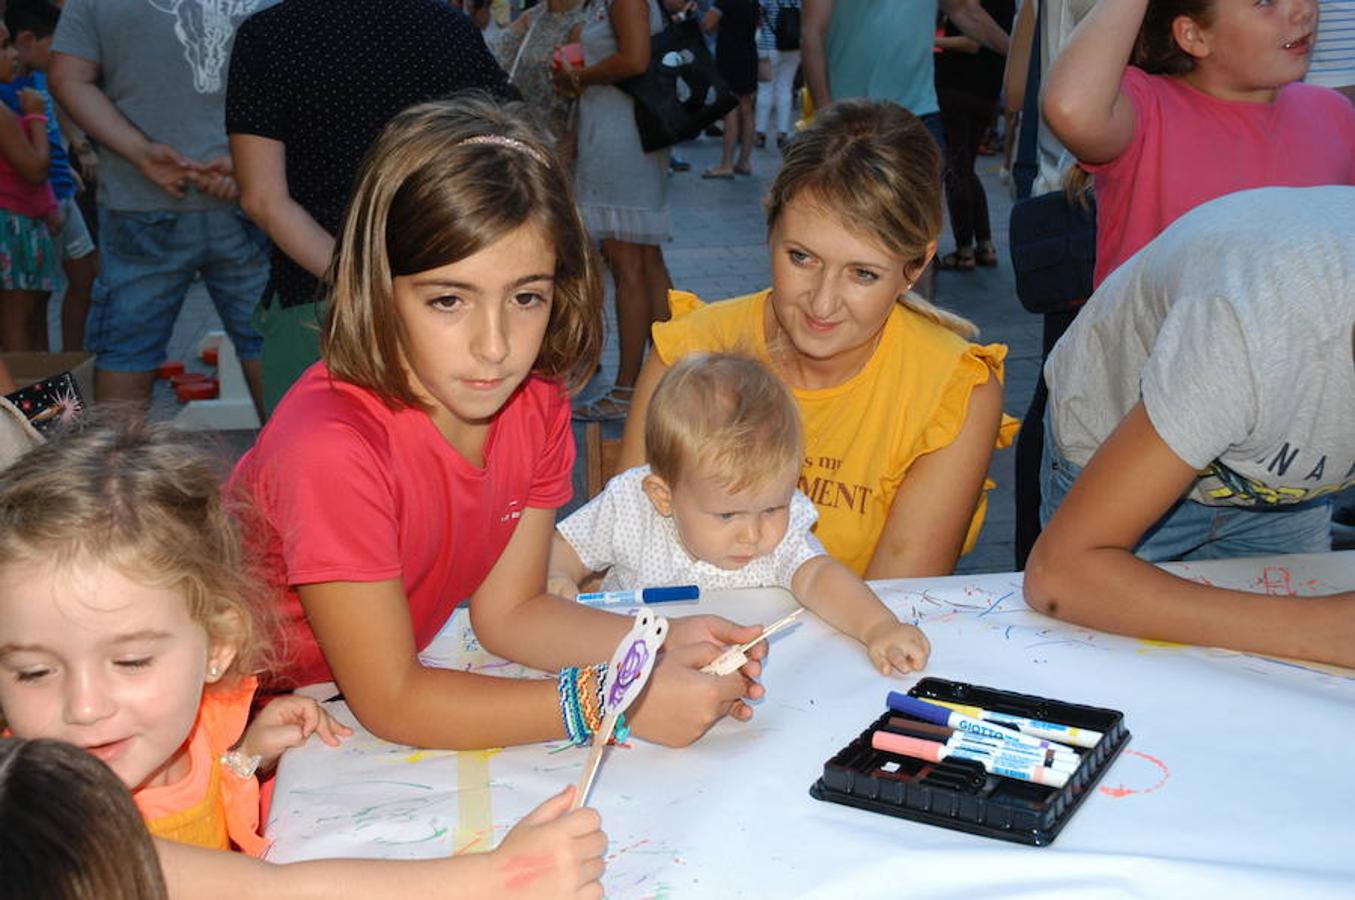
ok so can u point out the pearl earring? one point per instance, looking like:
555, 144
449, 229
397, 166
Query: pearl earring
213, 671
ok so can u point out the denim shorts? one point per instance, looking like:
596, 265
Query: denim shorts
147, 264
1194, 531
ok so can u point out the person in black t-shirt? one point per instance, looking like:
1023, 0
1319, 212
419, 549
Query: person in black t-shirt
312, 83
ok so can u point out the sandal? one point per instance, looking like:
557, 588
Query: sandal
713, 172
610, 407
743, 170
959, 261
986, 255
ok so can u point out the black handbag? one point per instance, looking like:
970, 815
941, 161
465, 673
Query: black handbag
787, 32
1052, 238
681, 92
1053, 248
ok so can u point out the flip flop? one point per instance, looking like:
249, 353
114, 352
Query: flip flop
723, 176
957, 261
611, 406
743, 170
986, 255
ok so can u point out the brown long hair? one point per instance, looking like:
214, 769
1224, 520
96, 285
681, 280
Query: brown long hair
71, 830
875, 164
1156, 51
430, 194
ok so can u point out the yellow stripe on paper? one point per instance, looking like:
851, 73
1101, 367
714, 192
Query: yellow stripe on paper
474, 811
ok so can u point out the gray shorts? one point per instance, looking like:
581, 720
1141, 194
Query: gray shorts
74, 241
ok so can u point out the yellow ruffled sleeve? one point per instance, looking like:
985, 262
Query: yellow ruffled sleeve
732, 325
974, 368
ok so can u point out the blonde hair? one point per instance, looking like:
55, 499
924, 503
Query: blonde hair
872, 163
442, 182
726, 414
147, 501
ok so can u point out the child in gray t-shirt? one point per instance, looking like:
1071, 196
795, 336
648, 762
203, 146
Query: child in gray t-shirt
1208, 390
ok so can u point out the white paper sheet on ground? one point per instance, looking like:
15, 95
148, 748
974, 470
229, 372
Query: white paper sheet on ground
1218, 792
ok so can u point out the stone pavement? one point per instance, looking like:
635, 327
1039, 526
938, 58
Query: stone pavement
719, 251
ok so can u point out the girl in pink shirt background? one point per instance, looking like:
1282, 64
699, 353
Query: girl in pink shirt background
27, 253
1212, 104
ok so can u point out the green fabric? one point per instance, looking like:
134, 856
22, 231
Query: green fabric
291, 344
882, 50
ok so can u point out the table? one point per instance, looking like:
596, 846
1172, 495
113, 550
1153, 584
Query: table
1238, 779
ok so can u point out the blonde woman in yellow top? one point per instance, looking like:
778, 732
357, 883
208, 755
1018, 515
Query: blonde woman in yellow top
901, 411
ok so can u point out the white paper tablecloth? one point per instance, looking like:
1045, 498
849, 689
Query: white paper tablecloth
1238, 780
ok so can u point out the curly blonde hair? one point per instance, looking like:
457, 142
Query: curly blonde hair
147, 501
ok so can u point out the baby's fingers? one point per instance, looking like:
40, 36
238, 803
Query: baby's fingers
906, 659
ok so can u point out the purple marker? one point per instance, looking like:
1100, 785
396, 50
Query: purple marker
930, 712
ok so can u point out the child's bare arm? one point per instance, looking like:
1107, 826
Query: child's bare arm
566, 571
552, 852
1083, 568
24, 144
838, 596
1082, 100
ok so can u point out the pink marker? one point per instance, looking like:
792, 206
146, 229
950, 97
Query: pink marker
996, 762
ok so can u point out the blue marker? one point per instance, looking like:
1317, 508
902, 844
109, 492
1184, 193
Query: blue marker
673, 594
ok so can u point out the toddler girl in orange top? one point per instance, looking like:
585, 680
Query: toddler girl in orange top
129, 627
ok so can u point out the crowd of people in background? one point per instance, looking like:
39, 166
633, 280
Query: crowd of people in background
408, 215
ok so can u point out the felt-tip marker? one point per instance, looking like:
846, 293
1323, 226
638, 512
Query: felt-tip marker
674, 594
1064, 762
930, 712
997, 764
1078, 737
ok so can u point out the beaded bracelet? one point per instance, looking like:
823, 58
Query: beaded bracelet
575, 727
588, 702
581, 703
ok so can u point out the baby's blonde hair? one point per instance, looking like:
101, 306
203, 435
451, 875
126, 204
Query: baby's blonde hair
147, 501
727, 415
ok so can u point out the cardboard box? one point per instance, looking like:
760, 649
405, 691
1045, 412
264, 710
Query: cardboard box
30, 367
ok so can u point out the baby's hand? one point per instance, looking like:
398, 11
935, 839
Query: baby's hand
552, 852
896, 646
561, 586
287, 722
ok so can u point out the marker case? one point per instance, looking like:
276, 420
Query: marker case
958, 793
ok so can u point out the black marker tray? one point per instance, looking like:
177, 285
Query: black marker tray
958, 793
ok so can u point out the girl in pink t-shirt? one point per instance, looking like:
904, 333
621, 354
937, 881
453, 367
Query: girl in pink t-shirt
419, 465
1213, 104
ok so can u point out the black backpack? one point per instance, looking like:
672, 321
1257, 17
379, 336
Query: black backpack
787, 30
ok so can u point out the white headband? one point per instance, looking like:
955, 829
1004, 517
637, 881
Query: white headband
500, 140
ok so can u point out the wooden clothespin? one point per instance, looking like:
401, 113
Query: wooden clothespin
734, 657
